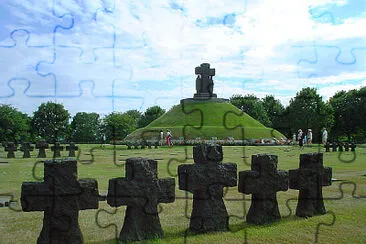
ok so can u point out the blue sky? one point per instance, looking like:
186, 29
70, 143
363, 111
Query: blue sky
104, 56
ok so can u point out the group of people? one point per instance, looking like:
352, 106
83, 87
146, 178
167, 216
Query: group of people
168, 138
307, 138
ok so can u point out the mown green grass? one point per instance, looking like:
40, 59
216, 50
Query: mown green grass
217, 120
349, 211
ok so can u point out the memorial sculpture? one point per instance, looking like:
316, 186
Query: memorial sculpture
309, 179
206, 179
60, 196
263, 181
141, 191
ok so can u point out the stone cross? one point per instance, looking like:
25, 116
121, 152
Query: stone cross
204, 82
26, 148
149, 144
327, 147
353, 147
136, 145
143, 144
263, 181
340, 147
60, 196
206, 179
42, 146
72, 148
310, 179
129, 145
346, 147
334, 146
141, 191
156, 145
57, 148
11, 147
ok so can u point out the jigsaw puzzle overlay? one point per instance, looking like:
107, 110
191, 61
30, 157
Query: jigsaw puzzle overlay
176, 194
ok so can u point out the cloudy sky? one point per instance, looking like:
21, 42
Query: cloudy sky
116, 55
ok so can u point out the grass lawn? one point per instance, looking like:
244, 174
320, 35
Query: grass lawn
345, 221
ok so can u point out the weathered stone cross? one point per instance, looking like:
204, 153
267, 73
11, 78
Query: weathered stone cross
72, 148
57, 148
263, 182
60, 196
26, 148
42, 146
206, 179
310, 179
11, 147
204, 83
141, 191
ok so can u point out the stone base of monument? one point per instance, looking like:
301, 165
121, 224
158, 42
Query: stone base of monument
204, 99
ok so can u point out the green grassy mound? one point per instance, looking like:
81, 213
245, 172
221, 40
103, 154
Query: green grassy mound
221, 120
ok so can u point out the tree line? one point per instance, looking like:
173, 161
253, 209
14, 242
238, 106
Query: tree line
51, 121
343, 115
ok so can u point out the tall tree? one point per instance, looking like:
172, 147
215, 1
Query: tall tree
275, 111
14, 125
86, 127
150, 115
308, 111
50, 121
253, 106
118, 125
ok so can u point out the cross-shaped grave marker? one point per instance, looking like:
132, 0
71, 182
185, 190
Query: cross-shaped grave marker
60, 196
263, 181
204, 82
72, 148
57, 148
11, 147
310, 179
42, 146
26, 148
206, 179
141, 191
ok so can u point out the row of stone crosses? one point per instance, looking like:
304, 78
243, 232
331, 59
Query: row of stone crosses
62, 195
340, 146
27, 148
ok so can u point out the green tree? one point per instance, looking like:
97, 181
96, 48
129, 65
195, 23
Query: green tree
253, 106
14, 125
50, 121
118, 125
275, 111
150, 115
86, 127
308, 111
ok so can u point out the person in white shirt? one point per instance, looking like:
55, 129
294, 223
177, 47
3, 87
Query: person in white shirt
324, 136
161, 137
310, 136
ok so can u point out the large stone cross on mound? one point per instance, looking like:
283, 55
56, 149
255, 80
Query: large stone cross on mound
310, 179
263, 182
60, 196
141, 191
206, 179
204, 82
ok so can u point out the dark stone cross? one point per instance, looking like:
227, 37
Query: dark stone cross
204, 82
156, 145
206, 179
72, 148
129, 145
141, 191
327, 147
353, 147
346, 147
42, 146
143, 145
60, 196
334, 146
310, 179
263, 181
57, 148
136, 145
149, 144
26, 148
11, 147
340, 147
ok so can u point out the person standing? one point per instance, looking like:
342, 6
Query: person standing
294, 139
310, 136
300, 138
168, 138
324, 136
161, 137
